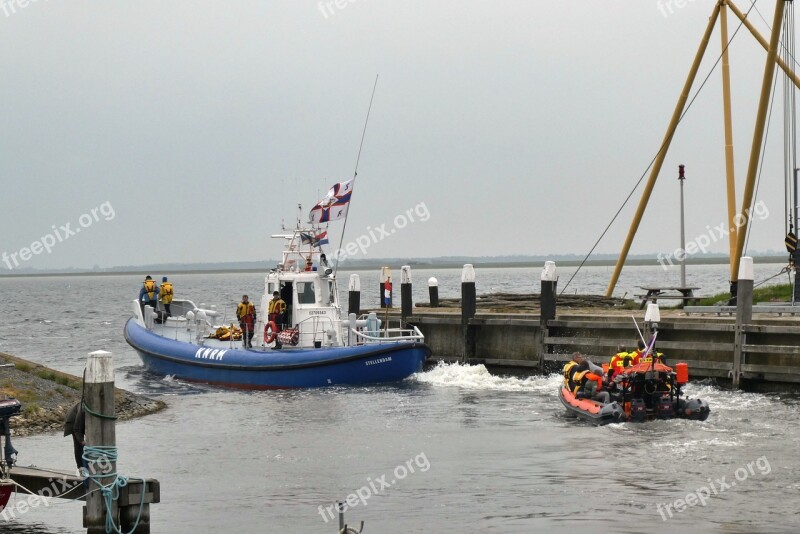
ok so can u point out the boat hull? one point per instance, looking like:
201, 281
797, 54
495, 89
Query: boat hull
602, 414
277, 369
590, 410
6, 488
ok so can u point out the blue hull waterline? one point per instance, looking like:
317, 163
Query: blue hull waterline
277, 368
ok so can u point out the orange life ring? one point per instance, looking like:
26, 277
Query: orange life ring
270, 332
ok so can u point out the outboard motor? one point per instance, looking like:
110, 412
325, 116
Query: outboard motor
664, 408
8, 409
638, 410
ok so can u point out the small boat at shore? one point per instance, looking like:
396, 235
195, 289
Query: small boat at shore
315, 345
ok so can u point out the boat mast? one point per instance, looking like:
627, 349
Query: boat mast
355, 174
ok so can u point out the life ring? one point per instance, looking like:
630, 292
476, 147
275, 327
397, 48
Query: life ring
270, 332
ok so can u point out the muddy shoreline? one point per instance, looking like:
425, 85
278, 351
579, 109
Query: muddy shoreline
47, 395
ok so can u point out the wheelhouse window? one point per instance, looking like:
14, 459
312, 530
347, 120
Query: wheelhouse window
305, 293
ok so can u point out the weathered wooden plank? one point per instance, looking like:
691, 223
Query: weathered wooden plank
772, 349
766, 329
511, 363
773, 369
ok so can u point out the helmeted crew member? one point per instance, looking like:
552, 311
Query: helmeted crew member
165, 294
246, 313
277, 309
620, 361
637, 354
648, 358
148, 295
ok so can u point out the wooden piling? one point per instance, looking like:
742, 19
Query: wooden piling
547, 303
354, 295
468, 308
406, 304
130, 509
744, 316
100, 432
433, 292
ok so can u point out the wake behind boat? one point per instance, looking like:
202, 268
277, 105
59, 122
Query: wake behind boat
636, 386
308, 342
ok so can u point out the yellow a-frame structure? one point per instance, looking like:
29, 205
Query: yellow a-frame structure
738, 232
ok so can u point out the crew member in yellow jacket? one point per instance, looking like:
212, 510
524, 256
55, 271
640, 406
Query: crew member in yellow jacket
165, 294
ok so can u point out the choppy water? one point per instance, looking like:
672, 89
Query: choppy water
488, 453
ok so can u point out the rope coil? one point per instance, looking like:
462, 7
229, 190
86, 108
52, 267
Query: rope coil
95, 455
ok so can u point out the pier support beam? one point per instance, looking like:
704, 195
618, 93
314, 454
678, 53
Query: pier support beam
744, 316
354, 295
406, 304
547, 304
469, 306
433, 291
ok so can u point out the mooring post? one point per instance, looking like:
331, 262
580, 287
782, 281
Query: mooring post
468, 307
796, 261
744, 315
547, 305
433, 291
354, 295
406, 304
386, 287
100, 432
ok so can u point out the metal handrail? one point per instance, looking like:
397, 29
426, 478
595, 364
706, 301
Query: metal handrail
397, 334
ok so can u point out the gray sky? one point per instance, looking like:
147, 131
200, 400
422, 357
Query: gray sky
518, 127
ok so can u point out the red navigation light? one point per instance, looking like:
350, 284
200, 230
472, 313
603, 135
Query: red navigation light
681, 175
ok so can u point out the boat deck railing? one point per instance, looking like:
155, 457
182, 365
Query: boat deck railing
315, 330
387, 334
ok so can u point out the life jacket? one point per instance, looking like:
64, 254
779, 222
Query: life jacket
569, 369
166, 292
150, 288
246, 313
619, 362
277, 306
649, 358
580, 378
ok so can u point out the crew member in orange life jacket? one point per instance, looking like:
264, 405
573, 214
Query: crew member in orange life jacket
246, 313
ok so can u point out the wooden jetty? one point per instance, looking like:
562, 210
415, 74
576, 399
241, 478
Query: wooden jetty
130, 511
755, 348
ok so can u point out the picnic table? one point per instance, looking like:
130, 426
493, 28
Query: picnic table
686, 294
